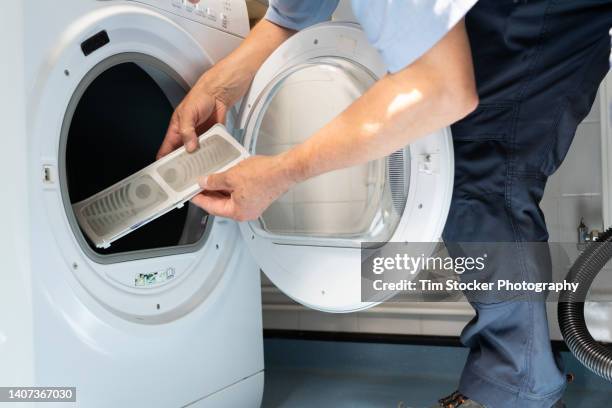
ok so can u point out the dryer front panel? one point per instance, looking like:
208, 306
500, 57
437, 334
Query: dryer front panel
308, 242
99, 113
110, 323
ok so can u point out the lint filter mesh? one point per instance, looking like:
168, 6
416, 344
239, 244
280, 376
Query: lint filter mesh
158, 188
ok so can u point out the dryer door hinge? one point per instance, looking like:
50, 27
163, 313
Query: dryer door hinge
429, 163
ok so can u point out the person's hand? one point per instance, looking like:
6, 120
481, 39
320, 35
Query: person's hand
195, 114
245, 191
220, 87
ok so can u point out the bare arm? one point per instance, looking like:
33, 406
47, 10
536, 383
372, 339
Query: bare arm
221, 87
433, 92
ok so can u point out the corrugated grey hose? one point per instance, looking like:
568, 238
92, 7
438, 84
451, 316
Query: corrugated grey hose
570, 310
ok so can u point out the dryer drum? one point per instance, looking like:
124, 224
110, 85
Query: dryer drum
113, 127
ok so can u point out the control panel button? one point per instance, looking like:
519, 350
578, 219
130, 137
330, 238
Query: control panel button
223, 18
190, 6
210, 14
178, 3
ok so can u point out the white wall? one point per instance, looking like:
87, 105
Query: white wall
606, 151
575, 191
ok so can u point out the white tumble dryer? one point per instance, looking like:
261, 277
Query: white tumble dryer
170, 315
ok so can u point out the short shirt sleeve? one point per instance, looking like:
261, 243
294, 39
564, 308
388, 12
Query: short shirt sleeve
404, 30
299, 14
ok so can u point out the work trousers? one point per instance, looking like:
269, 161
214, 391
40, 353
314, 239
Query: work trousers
538, 65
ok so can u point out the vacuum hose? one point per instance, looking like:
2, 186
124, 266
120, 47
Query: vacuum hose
570, 309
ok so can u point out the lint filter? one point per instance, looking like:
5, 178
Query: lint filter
157, 189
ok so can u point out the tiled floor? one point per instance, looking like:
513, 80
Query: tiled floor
302, 374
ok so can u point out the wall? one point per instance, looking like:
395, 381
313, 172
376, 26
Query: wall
575, 191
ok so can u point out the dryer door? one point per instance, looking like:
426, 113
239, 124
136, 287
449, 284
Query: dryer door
308, 242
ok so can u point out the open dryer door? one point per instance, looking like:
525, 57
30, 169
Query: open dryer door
308, 242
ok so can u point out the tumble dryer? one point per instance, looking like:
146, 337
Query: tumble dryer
170, 315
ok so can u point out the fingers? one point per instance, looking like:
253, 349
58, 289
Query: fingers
216, 182
195, 115
215, 204
218, 115
187, 122
172, 140
180, 131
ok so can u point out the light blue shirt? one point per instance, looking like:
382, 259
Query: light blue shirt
401, 30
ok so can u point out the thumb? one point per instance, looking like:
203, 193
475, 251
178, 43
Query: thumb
187, 130
214, 204
215, 182
190, 114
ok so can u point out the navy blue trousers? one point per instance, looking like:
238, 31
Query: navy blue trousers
538, 66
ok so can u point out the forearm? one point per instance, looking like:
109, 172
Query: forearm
229, 79
397, 110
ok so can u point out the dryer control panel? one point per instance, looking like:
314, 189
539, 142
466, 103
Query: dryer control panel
226, 15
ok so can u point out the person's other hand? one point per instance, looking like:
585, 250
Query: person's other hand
245, 191
195, 114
